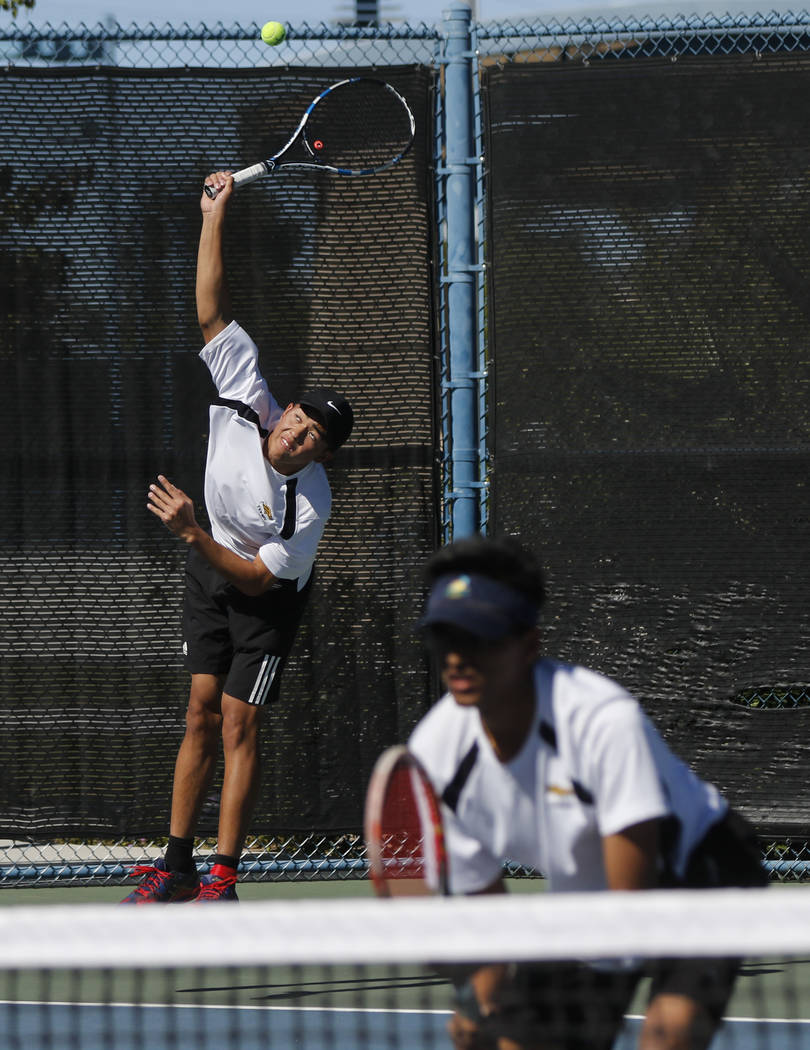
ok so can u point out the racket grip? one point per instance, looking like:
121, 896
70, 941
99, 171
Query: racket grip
257, 171
241, 178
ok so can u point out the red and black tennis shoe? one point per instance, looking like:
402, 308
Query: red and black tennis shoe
220, 885
159, 886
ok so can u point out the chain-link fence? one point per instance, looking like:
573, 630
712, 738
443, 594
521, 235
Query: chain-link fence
647, 309
98, 241
217, 47
337, 851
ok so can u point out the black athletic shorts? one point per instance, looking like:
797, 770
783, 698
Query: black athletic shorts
727, 856
244, 639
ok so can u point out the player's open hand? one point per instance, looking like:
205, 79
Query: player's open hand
173, 507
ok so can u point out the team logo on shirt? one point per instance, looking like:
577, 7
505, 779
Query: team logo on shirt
558, 790
264, 512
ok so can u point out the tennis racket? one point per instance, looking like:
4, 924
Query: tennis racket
403, 828
358, 126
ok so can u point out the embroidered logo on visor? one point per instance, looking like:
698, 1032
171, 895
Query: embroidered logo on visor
458, 588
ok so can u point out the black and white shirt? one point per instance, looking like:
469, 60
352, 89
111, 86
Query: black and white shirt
592, 765
252, 508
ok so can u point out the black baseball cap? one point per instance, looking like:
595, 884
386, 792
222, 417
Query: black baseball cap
479, 605
332, 410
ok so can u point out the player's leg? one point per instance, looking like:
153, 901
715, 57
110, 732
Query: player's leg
688, 998
197, 756
675, 1022
241, 724
173, 878
208, 653
207, 648
262, 632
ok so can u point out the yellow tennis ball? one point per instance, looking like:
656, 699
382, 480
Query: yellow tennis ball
273, 33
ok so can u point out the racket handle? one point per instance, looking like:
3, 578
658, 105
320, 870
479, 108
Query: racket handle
241, 178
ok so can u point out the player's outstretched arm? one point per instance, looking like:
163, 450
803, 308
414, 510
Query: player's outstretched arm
213, 299
175, 509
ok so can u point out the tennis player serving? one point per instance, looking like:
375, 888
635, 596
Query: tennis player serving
555, 767
247, 583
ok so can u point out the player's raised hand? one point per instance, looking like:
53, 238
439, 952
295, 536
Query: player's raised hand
173, 507
220, 184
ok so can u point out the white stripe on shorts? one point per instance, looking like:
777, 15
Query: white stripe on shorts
264, 680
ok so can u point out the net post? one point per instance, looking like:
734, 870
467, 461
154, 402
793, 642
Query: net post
460, 288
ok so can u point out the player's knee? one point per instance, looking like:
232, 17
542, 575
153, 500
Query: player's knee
202, 722
203, 714
240, 726
676, 1022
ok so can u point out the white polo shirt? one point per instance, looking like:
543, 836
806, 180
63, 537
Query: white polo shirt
592, 765
252, 508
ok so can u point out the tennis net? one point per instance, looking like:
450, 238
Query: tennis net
369, 974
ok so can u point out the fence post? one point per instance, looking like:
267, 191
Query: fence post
460, 271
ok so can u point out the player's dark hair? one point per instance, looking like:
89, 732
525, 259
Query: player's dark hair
504, 559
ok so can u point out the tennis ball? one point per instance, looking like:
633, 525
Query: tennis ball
273, 33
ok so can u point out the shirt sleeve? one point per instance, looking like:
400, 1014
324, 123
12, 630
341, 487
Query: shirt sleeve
291, 559
233, 361
620, 769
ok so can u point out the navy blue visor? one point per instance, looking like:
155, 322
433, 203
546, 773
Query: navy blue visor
478, 605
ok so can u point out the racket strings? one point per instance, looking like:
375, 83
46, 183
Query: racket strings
358, 125
407, 851
402, 856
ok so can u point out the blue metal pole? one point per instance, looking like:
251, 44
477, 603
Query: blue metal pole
461, 267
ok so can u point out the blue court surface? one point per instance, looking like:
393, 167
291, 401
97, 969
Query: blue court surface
88, 1026
324, 1008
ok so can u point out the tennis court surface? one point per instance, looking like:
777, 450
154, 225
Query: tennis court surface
362, 973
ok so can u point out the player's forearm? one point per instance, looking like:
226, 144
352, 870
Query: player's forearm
248, 576
487, 983
213, 302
